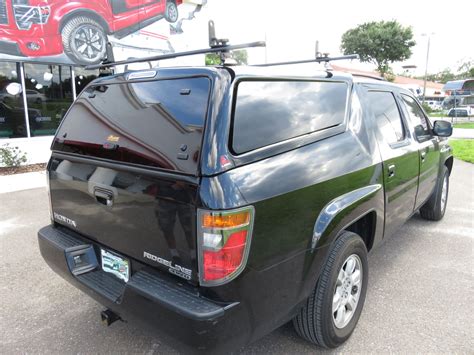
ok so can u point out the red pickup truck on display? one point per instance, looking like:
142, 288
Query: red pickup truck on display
37, 28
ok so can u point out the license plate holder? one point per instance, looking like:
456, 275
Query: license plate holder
115, 264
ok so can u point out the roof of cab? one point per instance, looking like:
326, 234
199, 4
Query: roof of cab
308, 71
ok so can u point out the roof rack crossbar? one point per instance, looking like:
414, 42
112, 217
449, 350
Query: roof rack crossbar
217, 49
315, 60
369, 76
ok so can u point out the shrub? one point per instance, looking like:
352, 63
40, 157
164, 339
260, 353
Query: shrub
11, 156
427, 108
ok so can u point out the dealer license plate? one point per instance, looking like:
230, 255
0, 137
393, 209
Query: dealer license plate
115, 264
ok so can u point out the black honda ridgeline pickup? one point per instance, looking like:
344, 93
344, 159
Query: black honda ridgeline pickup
219, 203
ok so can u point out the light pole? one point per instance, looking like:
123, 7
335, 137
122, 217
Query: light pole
426, 64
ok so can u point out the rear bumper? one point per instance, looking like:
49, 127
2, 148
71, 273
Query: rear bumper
188, 321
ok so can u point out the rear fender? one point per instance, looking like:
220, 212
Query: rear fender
336, 216
341, 211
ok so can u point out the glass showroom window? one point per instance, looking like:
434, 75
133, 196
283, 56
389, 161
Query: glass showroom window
12, 112
84, 77
49, 95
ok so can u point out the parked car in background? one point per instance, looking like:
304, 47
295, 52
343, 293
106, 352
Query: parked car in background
458, 101
459, 112
32, 96
12, 120
79, 28
434, 105
35, 96
433, 101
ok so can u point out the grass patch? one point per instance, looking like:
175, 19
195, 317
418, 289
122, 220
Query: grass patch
463, 149
437, 114
464, 125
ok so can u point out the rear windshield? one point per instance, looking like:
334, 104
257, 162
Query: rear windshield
155, 123
268, 112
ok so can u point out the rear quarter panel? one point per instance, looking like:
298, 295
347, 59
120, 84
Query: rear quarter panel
288, 192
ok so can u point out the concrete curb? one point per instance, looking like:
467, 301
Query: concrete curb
463, 133
25, 181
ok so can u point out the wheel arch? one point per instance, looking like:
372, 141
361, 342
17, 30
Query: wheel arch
359, 211
365, 228
88, 13
449, 163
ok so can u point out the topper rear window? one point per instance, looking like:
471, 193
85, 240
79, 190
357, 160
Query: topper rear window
153, 123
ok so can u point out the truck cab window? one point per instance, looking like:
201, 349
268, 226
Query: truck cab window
387, 116
415, 114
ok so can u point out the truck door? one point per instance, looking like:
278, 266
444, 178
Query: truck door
400, 159
126, 13
428, 148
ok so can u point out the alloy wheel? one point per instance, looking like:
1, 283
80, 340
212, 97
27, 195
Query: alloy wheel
172, 12
347, 291
444, 193
88, 43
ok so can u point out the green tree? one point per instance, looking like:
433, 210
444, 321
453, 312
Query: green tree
466, 70
379, 43
240, 56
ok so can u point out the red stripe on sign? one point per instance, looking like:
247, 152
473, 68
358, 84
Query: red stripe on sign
152, 34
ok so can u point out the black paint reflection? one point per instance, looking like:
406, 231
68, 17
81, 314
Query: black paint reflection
267, 112
157, 123
168, 212
128, 211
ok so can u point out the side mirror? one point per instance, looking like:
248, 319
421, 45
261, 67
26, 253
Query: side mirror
442, 129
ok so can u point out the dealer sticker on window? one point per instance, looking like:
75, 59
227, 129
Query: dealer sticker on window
115, 264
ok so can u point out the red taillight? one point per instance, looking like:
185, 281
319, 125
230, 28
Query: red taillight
219, 264
223, 241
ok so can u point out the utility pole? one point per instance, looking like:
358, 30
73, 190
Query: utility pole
426, 64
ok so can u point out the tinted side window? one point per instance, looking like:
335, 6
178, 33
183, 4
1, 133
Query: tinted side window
267, 112
422, 128
387, 116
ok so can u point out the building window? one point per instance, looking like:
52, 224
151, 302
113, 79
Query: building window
48, 94
12, 111
83, 78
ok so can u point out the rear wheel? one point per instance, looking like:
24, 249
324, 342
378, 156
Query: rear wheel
171, 12
84, 40
435, 207
332, 311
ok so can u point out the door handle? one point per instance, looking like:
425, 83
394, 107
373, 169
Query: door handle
391, 171
423, 156
104, 197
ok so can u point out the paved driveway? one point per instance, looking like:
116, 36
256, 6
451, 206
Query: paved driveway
420, 297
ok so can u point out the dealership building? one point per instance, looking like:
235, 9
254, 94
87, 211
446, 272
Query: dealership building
33, 99
45, 45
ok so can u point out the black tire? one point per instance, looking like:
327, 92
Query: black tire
434, 208
315, 321
171, 12
84, 40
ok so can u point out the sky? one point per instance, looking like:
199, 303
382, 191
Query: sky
292, 27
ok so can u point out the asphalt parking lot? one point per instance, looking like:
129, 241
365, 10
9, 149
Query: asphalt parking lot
420, 297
